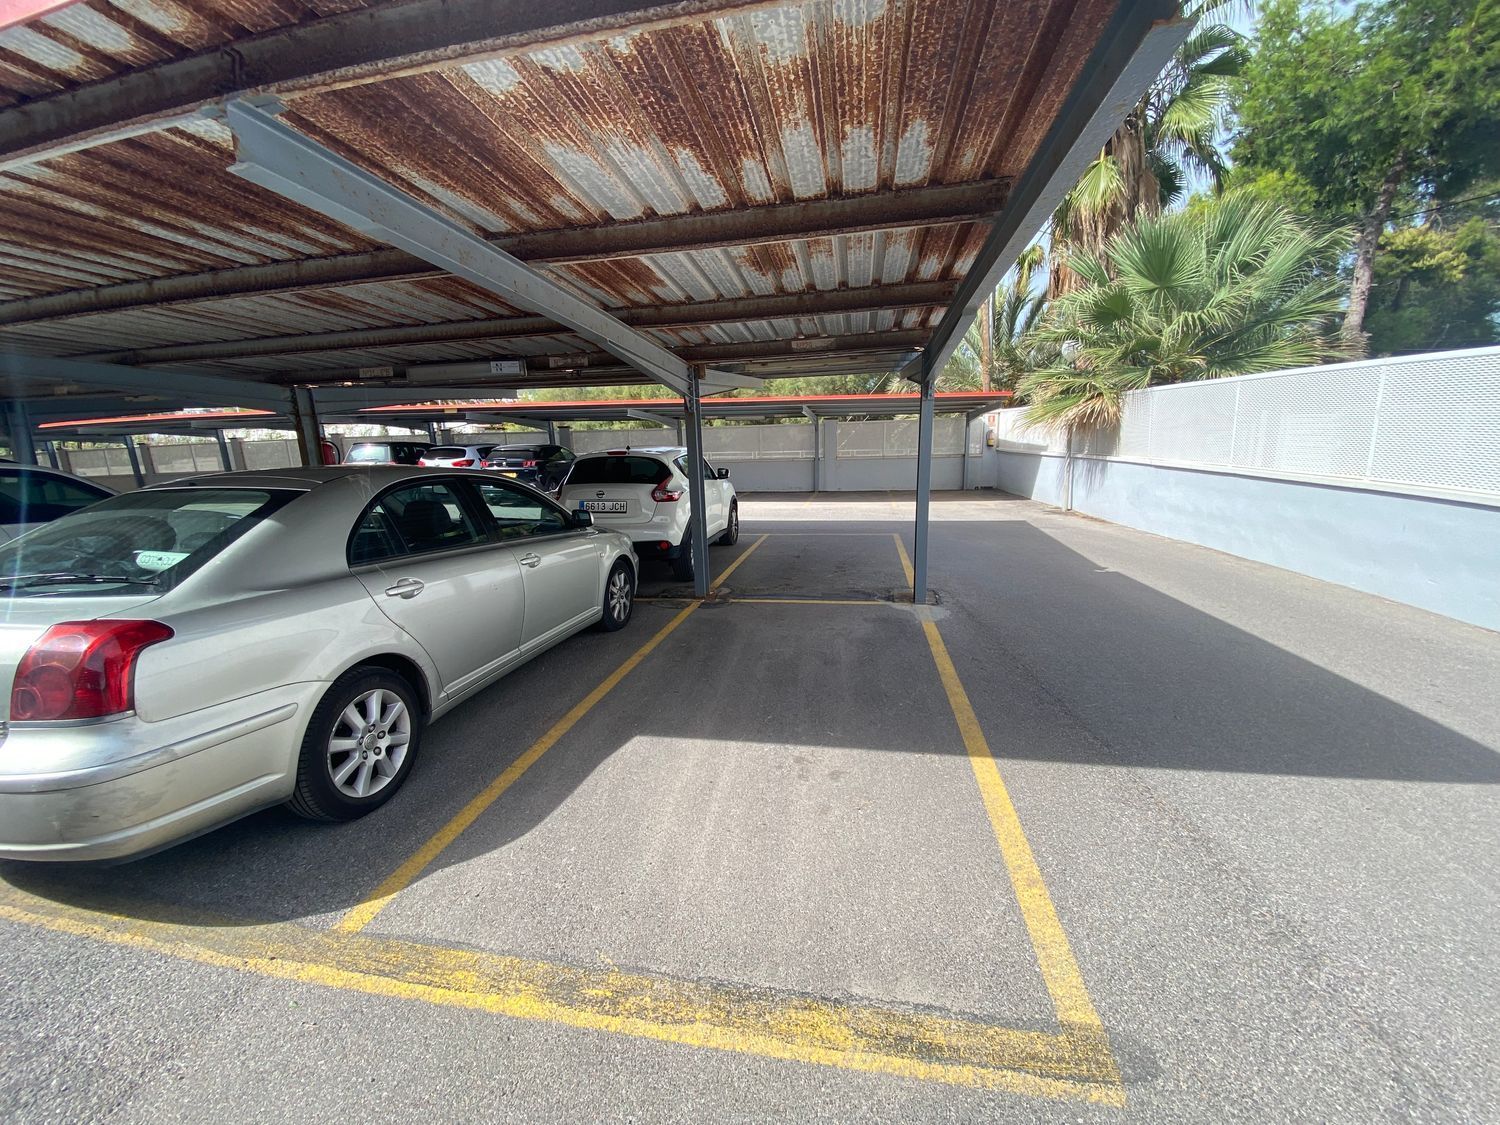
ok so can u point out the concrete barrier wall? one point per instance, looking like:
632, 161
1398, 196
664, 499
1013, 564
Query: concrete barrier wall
1431, 540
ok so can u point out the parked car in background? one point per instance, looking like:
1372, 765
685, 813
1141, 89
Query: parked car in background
177, 657
541, 466
31, 496
386, 451
644, 493
454, 456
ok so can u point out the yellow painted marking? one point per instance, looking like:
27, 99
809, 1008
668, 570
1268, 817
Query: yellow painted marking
362, 914
806, 601
732, 567
911, 576
1060, 973
649, 1006
398, 880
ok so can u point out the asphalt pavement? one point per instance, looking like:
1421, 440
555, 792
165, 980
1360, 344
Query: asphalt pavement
1247, 825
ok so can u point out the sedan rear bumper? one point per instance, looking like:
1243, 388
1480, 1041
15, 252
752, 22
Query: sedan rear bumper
203, 770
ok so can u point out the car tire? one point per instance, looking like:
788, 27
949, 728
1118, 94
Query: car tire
731, 534
621, 581
682, 565
339, 757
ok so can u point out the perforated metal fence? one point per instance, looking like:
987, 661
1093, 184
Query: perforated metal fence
1427, 422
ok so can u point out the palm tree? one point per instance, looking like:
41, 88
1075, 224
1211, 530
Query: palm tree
994, 353
1168, 139
1229, 286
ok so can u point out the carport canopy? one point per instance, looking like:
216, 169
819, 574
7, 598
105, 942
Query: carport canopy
305, 207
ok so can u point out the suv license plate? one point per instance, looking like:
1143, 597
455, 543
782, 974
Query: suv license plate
603, 505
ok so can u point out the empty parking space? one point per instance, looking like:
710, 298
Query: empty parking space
808, 847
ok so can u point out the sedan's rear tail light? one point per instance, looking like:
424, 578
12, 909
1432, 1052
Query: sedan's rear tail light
81, 670
464, 463
528, 464
664, 493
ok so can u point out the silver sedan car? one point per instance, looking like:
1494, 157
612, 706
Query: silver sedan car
174, 658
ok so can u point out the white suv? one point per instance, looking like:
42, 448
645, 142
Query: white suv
644, 493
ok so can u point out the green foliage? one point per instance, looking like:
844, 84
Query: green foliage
1436, 288
1229, 288
1373, 109
1000, 346
1169, 139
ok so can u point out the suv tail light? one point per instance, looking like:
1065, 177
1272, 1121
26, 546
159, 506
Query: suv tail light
664, 493
421, 462
81, 670
463, 463
528, 464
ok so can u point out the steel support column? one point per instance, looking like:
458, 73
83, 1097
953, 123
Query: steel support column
924, 494
551, 433
18, 428
224, 458
135, 461
817, 425
697, 492
305, 421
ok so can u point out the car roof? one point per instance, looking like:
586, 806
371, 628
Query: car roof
647, 450
7, 464
305, 478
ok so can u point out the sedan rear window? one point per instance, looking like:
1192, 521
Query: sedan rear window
142, 540
618, 470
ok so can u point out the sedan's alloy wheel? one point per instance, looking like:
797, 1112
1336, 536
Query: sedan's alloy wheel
368, 743
619, 595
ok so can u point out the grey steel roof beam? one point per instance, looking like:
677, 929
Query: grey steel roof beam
293, 165
779, 306
938, 205
200, 389
340, 50
1134, 47
654, 419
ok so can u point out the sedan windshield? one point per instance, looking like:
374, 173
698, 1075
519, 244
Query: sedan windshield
136, 543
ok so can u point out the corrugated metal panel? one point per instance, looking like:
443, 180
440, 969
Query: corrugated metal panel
773, 104
151, 206
99, 39
320, 310
778, 104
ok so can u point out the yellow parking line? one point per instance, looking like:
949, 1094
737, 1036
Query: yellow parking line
806, 601
911, 577
723, 1017
361, 915
1060, 972
732, 567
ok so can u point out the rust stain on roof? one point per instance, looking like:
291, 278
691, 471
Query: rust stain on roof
771, 104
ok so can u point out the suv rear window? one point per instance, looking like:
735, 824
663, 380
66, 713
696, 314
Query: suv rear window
618, 470
446, 452
402, 453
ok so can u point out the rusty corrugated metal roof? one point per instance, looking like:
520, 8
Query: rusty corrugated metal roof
768, 104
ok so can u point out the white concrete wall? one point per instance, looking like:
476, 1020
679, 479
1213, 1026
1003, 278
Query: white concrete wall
1431, 540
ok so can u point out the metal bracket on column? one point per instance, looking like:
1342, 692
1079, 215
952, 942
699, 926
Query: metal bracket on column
654, 419
296, 167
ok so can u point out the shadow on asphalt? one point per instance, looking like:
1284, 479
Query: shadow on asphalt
1133, 678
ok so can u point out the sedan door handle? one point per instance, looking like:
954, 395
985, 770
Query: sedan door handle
531, 560
406, 588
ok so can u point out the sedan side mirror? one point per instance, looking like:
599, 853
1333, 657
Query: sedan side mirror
583, 519
723, 474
